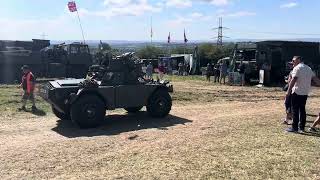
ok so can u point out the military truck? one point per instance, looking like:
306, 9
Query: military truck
273, 57
45, 60
118, 83
66, 60
276, 54
14, 54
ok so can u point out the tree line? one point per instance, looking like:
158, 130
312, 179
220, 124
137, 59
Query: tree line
207, 52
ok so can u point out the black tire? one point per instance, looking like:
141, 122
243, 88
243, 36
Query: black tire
133, 109
159, 104
88, 111
60, 115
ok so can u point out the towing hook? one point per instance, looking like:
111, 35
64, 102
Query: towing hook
170, 88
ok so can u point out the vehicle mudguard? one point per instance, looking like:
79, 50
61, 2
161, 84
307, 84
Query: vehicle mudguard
81, 92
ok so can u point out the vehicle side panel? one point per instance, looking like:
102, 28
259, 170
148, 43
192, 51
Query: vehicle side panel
107, 93
133, 95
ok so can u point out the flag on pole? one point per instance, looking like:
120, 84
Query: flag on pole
151, 31
185, 37
72, 6
169, 38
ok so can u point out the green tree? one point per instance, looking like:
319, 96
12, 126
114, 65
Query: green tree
182, 50
104, 47
211, 53
149, 52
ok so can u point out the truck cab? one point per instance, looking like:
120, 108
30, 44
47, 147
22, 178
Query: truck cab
71, 60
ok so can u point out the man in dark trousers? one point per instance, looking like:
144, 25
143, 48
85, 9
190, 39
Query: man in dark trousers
209, 71
299, 88
242, 73
27, 84
216, 72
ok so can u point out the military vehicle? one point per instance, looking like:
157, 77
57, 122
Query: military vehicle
115, 83
276, 54
66, 60
245, 53
14, 54
54, 61
273, 57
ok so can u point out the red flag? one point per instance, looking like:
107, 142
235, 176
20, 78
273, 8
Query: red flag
72, 6
169, 38
185, 37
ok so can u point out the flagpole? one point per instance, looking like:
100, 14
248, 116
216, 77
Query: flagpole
84, 41
151, 31
168, 46
185, 41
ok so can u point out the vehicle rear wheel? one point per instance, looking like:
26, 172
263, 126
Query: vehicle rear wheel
133, 109
159, 104
60, 115
88, 111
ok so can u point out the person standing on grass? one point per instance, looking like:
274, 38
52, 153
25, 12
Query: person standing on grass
287, 101
216, 70
180, 69
27, 84
223, 72
315, 123
161, 71
149, 71
242, 73
299, 88
209, 71
187, 69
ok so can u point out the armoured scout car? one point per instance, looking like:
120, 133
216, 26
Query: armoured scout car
115, 83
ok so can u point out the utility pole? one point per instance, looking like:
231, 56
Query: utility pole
220, 29
43, 36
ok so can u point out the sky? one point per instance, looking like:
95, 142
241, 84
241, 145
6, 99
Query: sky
131, 19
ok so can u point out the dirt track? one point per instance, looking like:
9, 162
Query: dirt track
198, 140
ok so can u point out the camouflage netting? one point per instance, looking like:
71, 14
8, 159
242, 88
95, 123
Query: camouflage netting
121, 70
88, 84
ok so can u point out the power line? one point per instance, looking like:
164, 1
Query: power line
220, 29
43, 36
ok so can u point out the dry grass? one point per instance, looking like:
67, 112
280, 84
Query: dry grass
213, 132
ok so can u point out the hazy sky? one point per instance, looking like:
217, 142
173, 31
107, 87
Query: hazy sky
131, 19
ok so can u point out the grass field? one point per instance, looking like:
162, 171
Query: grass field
213, 132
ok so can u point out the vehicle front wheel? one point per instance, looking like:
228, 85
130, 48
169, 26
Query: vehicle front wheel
159, 104
133, 109
88, 111
62, 116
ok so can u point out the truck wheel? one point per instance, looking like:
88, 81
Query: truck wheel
88, 111
159, 104
60, 115
133, 109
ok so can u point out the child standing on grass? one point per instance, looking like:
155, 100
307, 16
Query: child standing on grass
316, 122
27, 84
287, 101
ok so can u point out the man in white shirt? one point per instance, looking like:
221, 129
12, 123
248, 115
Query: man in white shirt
299, 88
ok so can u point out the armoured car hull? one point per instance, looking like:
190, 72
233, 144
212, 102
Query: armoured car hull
87, 106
